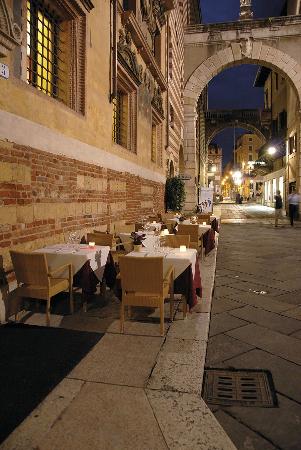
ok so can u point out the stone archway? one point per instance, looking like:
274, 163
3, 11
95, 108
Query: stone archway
246, 126
240, 51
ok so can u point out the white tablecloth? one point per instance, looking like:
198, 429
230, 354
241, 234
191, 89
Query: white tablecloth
172, 257
78, 254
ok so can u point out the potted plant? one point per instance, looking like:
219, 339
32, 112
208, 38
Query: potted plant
137, 240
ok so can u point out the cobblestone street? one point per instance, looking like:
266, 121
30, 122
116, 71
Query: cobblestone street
256, 322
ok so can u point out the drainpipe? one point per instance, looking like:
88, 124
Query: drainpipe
114, 52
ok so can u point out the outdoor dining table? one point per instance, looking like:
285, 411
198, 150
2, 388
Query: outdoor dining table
206, 234
187, 278
89, 264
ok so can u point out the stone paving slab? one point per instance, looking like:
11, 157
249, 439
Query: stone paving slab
293, 297
137, 328
281, 426
119, 359
179, 366
259, 300
268, 319
195, 326
187, 422
276, 343
32, 431
223, 347
297, 335
242, 436
106, 417
295, 313
223, 304
224, 322
286, 375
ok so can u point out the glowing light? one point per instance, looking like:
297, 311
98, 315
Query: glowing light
272, 150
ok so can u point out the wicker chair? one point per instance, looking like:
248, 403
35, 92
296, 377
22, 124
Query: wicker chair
193, 232
36, 281
203, 218
124, 228
143, 284
176, 240
101, 239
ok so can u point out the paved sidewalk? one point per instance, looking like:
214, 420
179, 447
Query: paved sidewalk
136, 391
256, 323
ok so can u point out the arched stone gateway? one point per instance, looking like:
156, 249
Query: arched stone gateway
209, 49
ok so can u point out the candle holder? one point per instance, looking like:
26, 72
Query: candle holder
91, 244
183, 248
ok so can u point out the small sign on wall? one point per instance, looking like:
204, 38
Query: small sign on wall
4, 71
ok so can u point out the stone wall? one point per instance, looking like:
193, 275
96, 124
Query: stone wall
46, 196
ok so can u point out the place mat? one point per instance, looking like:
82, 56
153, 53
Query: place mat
34, 360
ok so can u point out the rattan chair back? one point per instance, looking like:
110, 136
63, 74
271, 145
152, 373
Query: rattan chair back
30, 268
191, 230
101, 238
143, 275
203, 218
176, 240
124, 228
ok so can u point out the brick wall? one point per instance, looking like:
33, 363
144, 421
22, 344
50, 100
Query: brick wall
44, 196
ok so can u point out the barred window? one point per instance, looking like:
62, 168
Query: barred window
154, 144
124, 120
120, 113
44, 52
56, 49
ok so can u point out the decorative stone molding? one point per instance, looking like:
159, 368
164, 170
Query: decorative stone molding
130, 22
157, 102
10, 32
127, 57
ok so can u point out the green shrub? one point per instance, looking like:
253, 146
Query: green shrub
174, 194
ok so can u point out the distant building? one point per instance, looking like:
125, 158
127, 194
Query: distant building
215, 157
245, 157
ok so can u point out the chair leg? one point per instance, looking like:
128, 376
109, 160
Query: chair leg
122, 317
184, 306
171, 301
48, 312
71, 300
162, 318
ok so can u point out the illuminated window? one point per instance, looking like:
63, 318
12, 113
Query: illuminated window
124, 120
43, 49
120, 119
154, 143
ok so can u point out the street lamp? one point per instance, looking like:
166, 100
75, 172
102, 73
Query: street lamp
272, 150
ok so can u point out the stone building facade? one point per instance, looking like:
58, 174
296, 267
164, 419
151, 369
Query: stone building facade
84, 114
214, 170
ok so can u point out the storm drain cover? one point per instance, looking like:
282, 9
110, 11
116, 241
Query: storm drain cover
239, 388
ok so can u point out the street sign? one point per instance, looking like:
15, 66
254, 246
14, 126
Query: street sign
4, 71
184, 177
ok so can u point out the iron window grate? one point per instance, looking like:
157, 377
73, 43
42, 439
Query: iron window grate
44, 54
239, 387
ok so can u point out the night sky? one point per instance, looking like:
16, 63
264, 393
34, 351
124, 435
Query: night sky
233, 88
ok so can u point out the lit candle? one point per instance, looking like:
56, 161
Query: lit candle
154, 221
92, 244
182, 248
166, 232
204, 223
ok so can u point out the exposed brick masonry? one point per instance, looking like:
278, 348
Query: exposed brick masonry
44, 196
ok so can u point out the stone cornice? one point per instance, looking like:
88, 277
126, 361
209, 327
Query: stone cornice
10, 32
242, 25
130, 21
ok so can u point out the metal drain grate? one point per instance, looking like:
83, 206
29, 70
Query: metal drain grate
239, 387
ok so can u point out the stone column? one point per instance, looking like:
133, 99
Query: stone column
190, 156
